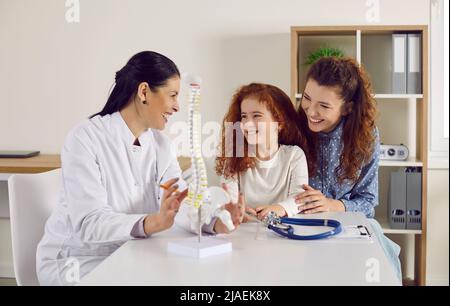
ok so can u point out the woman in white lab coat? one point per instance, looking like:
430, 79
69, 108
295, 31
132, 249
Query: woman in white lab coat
112, 166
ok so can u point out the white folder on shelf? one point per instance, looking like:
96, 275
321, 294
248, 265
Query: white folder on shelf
399, 82
414, 77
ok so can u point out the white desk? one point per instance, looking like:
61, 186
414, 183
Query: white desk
259, 258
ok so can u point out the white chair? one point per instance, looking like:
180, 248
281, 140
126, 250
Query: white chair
32, 198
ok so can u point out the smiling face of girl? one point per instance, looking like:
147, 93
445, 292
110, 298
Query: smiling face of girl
258, 125
323, 106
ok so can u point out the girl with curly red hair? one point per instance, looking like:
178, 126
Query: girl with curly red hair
261, 155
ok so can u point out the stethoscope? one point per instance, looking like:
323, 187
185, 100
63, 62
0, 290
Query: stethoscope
283, 226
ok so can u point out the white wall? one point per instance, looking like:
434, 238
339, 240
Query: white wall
438, 228
53, 74
59, 73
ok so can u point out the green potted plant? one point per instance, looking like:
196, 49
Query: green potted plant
325, 51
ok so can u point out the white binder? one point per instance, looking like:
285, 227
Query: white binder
414, 67
399, 82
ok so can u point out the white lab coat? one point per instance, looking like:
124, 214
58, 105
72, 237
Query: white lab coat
108, 186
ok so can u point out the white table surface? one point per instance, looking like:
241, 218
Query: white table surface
259, 258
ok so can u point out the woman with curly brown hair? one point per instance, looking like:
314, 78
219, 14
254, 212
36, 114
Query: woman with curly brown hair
337, 116
261, 156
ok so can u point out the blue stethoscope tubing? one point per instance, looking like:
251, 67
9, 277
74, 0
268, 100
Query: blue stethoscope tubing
288, 232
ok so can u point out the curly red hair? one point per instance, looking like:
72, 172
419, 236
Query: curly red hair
229, 164
354, 87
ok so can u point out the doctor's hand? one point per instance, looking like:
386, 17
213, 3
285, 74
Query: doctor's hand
237, 212
170, 204
313, 201
249, 211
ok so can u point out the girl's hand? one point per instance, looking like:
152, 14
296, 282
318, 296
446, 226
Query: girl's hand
313, 201
170, 204
263, 210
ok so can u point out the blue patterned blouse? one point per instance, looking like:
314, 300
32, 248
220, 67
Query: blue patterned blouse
360, 196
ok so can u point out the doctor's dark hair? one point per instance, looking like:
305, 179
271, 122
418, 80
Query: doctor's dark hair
148, 66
